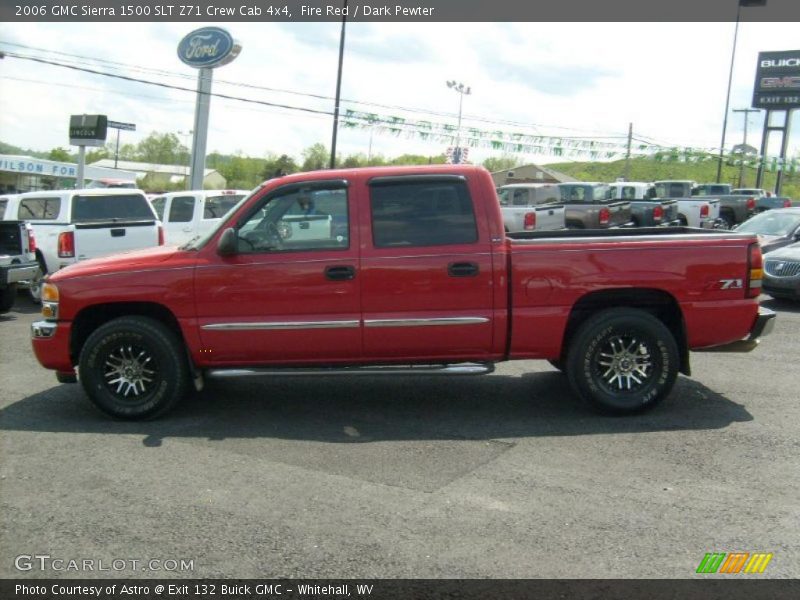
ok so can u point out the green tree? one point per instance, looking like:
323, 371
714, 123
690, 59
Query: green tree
278, 166
418, 159
161, 148
60, 154
501, 163
315, 158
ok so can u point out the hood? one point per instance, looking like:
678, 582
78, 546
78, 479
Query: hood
786, 253
134, 260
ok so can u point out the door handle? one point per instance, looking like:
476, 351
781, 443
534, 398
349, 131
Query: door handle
340, 273
463, 269
187, 229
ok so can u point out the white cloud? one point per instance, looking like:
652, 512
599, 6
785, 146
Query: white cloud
669, 79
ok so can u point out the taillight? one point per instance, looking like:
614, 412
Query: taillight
605, 216
658, 213
787, 203
751, 204
704, 210
755, 270
530, 221
160, 235
31, 241
66, 245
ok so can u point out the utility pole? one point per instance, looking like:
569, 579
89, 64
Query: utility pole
746, 112
462, 91
338, 88
628, 153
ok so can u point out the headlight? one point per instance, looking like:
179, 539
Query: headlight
49, 301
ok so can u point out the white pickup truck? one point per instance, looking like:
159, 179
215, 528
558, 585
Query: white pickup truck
692, 211
73, 225
531, 207
186, 215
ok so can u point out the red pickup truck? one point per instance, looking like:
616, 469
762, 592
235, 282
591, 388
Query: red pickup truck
398, 270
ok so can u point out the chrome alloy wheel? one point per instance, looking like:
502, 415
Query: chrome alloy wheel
624, 363
129, 370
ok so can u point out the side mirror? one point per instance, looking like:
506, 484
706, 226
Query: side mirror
227, 243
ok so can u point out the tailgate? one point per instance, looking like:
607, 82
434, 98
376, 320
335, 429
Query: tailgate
93, 240
550, 217
670, 208
620, 213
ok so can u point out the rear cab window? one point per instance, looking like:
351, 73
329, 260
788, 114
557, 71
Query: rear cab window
94, 208
422, 213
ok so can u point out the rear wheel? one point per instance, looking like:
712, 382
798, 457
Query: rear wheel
622, 361
133, 368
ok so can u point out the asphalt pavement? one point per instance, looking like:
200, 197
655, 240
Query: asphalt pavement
502, 476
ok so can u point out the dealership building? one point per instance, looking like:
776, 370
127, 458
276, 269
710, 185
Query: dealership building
27, 174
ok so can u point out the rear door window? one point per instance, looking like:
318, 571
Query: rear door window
216, 207
110, 208
422, 214
182, 209
158, 205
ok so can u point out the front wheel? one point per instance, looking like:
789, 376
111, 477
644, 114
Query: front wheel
133, 368
622, 361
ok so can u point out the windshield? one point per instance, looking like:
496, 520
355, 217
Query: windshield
771, 223
199, 241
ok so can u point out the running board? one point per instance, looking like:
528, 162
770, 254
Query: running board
454, 369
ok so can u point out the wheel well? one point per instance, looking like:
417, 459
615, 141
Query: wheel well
658, 303
89, 319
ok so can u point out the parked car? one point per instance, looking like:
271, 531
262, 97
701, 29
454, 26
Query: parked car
646, 209
531, 207
422, 279
73, 225
775, 228
733, 208
186, 215
17, 260
591, 206
692, 212
8, 206
782, 273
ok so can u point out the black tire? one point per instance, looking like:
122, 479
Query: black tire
682, 221
35, 284
622, 361
728, 221
138, 351
8, 296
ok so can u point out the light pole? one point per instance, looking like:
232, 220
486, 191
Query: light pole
739, 5
462, 91
746, 112
186, 135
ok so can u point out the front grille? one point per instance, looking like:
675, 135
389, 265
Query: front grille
782, 268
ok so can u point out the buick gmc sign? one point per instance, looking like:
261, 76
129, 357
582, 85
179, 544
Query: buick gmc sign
777, 85
208, 47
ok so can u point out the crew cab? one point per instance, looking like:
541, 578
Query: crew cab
591, 206
733, 208
189, 214
419, 278
531, 207
17, 260
692, 212
646, 209
74, 225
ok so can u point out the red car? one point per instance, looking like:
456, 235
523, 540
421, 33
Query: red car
406, 270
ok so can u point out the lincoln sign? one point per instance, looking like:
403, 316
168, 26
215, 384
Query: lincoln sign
777, 84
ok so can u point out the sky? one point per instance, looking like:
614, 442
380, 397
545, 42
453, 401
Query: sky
576, 80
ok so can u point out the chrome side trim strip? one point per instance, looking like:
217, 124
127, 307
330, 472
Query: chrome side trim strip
447, 369
281, 325
424, 322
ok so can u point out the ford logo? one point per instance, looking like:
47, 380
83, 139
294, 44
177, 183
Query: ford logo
208, 47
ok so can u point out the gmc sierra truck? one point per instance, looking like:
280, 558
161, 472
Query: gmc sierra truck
531, 207
591, 206
17, 260
733, 208
646, 209
420, 278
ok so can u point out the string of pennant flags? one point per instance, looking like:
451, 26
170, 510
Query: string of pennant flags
544, 145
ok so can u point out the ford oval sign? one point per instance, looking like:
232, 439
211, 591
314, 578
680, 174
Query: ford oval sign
208, 47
